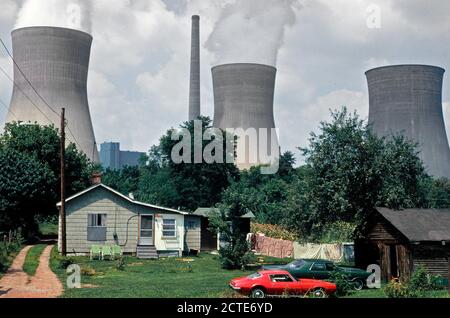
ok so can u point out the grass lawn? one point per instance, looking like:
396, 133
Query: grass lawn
165, 278
32, 259
378, 293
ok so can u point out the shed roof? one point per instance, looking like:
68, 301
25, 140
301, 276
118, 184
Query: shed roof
101, 185
205, 212
420, 224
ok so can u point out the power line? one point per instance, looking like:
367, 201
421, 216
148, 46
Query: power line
24, 94
37, 93
7, 108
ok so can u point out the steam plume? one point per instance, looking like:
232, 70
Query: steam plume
251, 31
73, 14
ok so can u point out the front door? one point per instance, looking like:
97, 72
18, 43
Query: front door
146, 230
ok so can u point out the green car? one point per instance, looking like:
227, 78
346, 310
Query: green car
321, 269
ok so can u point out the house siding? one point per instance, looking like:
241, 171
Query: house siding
122, 217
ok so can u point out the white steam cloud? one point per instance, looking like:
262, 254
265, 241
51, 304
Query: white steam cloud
251, 31
73, 14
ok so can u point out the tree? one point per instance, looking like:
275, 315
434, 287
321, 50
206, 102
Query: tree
185, 185
350, 171
235, 252
125, 180
29, 174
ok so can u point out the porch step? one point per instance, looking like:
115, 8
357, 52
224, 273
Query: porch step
146, 252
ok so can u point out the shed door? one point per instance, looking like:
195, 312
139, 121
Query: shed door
146, 230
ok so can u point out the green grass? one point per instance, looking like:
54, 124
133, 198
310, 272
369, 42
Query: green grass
47, 228
163, 278
32, 259
378, 293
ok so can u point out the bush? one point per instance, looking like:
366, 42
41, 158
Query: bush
397, 289
65, 262
237, 256
10, 245
120, 264
343, 285
415, 287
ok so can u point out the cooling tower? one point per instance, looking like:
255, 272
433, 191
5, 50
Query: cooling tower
194, 88
243, 98
56, 62
407, 99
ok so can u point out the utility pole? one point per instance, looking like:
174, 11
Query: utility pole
62, 210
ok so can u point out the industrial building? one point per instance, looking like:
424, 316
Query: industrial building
113, 158
55, 62
407, 99
243, 98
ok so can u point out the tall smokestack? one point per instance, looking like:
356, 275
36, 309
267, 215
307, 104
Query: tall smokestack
243, 98
407, 99
56, 62
194, 89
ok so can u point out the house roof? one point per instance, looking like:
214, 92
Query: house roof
205, 212
101, 185
420, 224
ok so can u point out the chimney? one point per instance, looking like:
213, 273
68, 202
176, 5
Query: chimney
194, 84
96, 178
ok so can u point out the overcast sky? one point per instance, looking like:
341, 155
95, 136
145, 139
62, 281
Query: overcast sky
138, 82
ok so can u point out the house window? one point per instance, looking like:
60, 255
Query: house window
191, 225
96, 229
97, 220
169, 228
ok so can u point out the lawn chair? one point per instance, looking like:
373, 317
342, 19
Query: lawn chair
106, 251
95, 252
116, 251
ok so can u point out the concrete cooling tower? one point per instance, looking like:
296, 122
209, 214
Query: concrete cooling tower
243, 98
56, 62
407, 99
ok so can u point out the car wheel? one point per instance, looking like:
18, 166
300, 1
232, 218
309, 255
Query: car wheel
358, 284
258, 293
318, 293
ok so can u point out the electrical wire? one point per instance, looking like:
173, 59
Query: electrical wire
39, 95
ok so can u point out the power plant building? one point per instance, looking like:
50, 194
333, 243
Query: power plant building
407, 99
56, 62
113, 158
243, 98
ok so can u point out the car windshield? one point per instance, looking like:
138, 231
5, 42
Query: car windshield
297, 263
255, 275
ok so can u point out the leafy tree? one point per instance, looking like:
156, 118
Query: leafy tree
235, 251
185, 185
350, 171
29, 174
125, 180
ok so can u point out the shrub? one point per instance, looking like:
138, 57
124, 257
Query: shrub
120, 264
343, 285
416, 286
11, 244
65, 262
396, 289
236, 256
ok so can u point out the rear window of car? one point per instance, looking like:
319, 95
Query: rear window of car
297, 263
255, 275
318, 266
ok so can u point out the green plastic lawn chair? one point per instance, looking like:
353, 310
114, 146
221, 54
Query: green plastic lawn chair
95, 252
106, 251
116, 251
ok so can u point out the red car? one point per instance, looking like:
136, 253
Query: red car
280, 282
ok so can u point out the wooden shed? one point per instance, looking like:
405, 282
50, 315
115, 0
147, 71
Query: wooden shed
399, 241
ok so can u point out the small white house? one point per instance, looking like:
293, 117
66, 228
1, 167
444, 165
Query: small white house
100, 215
